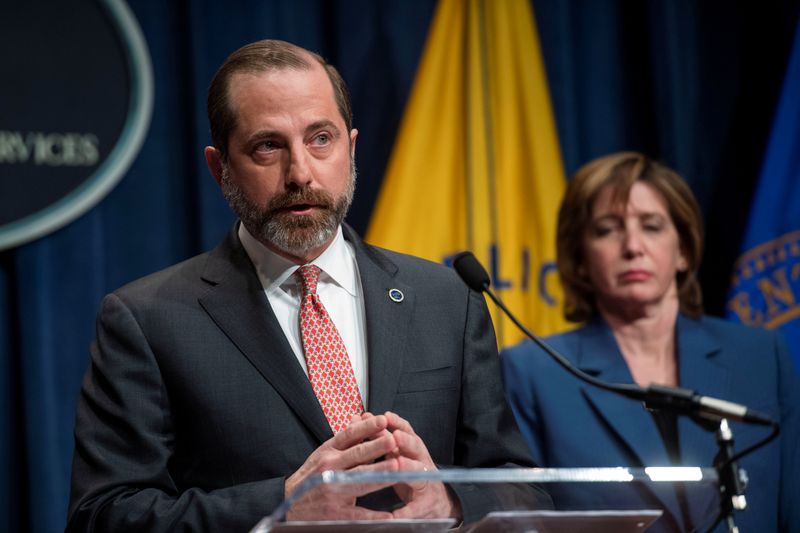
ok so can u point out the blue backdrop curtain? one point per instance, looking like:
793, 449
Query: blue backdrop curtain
693, 84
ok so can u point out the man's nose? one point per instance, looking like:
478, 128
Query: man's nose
298, 171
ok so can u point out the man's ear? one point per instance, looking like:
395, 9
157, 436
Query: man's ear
214, 162
353, 135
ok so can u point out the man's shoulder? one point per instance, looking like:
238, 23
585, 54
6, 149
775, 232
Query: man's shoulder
191, 275
406, 261
178, 277
411, 267
565, 342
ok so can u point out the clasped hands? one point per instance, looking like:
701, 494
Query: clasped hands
371, 443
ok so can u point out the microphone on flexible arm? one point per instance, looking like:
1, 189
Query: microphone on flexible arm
675, 399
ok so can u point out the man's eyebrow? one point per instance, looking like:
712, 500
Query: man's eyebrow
323, 124
263, 134
314, 126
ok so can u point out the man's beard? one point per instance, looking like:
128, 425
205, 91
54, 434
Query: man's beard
292, 234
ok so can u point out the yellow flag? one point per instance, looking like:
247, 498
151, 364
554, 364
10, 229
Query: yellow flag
476, 165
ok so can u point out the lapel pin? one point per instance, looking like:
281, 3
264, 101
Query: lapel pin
396, 295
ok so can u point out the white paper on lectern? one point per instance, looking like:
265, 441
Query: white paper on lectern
605, 521
367, 526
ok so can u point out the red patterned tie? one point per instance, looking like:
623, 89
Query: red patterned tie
329, 368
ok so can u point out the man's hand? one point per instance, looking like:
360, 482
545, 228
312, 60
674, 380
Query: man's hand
354, 448
423, 499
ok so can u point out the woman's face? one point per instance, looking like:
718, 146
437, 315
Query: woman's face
632, 256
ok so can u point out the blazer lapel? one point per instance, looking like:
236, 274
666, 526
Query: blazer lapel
599, 355
387, 322
236, 302
702, 370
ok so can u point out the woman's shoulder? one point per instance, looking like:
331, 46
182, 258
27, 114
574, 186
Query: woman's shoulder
727, 331
564, 342
745, 346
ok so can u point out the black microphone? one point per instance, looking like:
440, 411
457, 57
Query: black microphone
675, 399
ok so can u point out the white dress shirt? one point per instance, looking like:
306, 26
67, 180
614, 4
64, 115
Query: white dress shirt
339, 289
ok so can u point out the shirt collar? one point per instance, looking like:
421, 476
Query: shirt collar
337, 262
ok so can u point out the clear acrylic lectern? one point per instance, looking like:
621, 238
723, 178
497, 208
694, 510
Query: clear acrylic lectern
584, 520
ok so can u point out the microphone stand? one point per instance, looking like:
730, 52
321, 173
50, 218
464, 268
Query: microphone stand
732, 480
705, 411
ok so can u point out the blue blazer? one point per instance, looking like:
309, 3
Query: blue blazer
571, 424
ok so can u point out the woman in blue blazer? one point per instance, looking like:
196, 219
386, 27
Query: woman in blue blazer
629, 246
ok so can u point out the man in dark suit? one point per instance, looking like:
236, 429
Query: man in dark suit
205, 403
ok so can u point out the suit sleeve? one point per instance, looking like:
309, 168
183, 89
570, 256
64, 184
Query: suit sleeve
124, 440
488, 436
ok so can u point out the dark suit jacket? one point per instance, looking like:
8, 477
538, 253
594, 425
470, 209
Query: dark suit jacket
194, 408
570, 424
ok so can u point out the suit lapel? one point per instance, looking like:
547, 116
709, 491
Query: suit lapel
238, 306
387, 322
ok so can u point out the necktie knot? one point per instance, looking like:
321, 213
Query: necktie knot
309, 276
